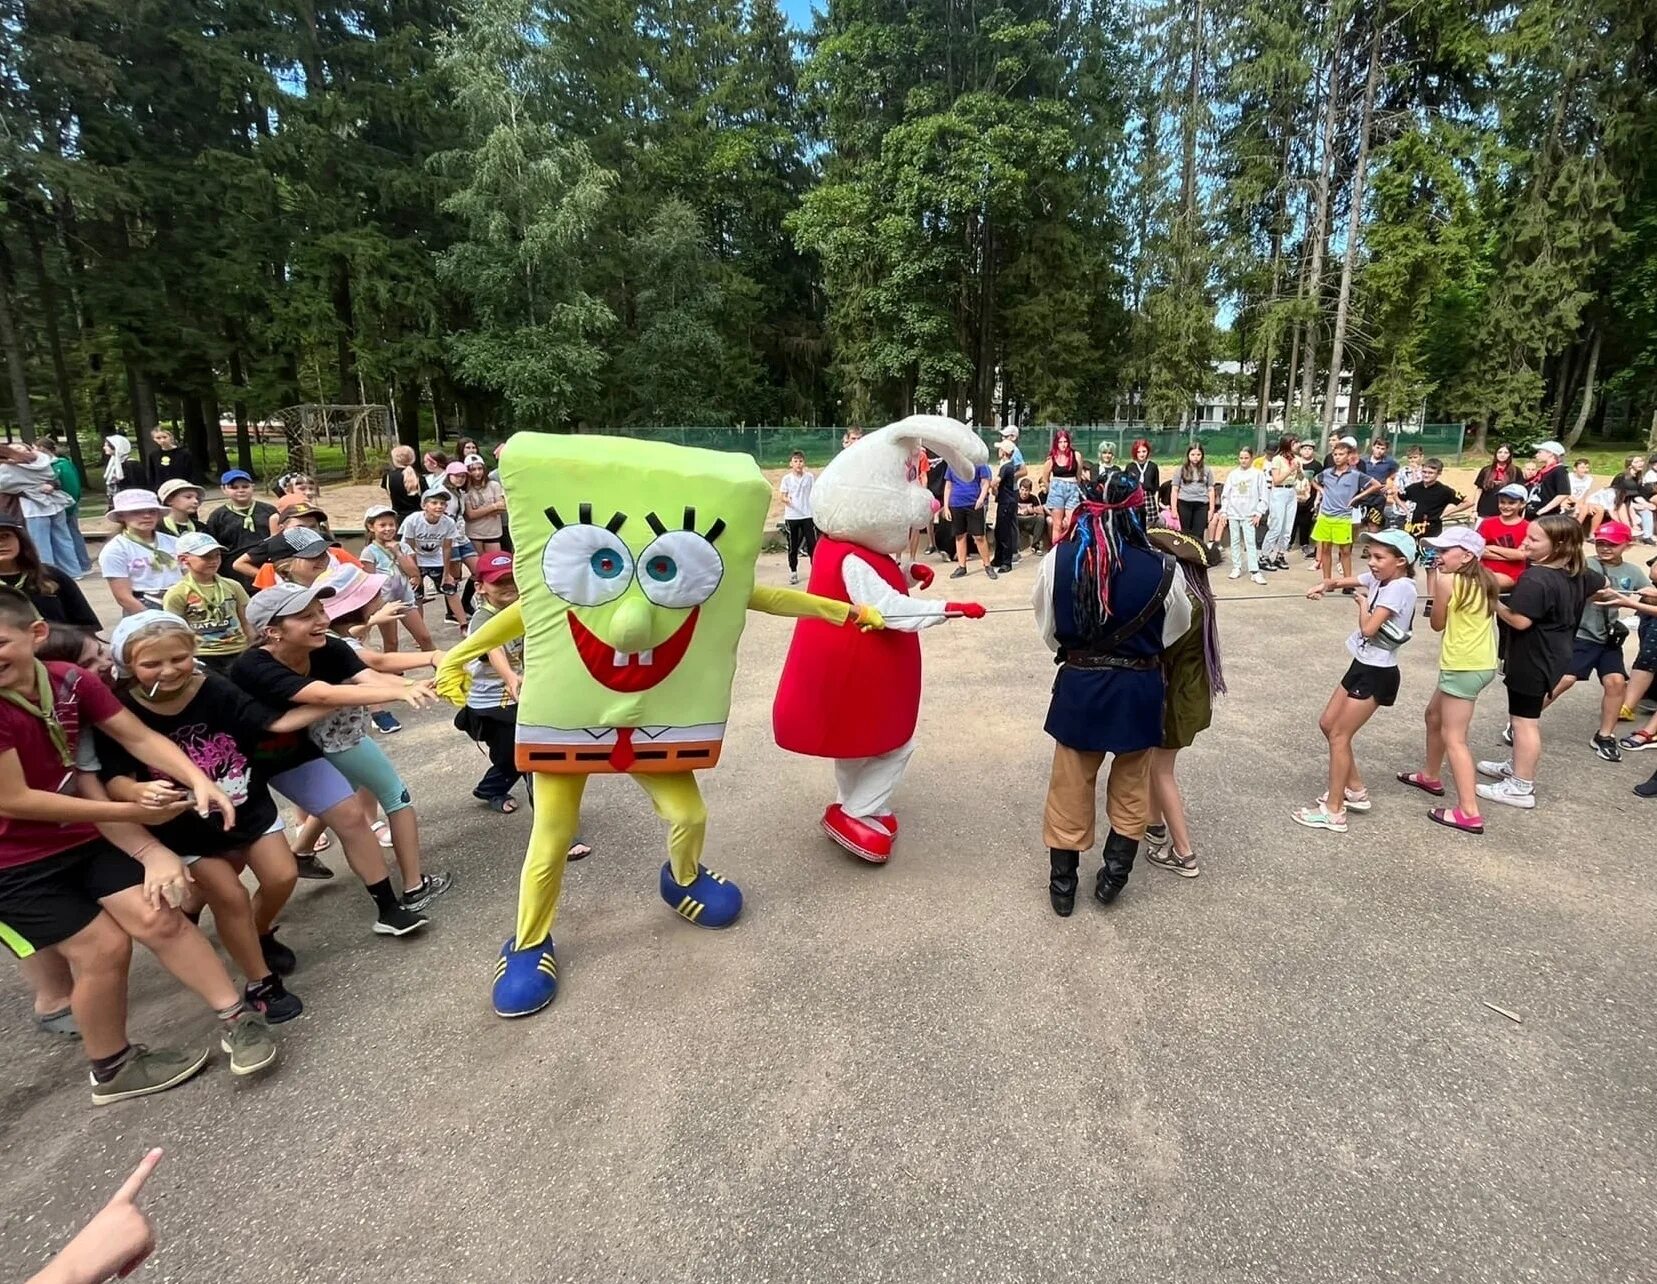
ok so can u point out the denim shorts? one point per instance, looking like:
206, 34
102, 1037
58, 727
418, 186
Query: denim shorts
1063, 495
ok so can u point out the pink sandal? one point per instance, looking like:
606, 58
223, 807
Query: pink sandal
1426, 784
1456, 818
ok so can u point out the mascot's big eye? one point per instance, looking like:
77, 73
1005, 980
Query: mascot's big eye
680, 569
586, 565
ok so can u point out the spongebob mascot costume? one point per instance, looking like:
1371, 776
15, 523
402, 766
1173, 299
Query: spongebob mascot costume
635, 569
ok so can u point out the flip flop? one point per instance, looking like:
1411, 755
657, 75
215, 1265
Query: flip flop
579, 850
1455, 818
1426, 784
324, 841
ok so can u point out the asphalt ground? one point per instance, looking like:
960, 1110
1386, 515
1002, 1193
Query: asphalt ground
1280, 1071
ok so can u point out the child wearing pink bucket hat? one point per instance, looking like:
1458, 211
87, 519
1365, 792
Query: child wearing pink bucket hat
139, 562
356, 604
1464, 612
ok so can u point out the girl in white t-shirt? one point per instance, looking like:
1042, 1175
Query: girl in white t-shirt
139, 561
1386, 608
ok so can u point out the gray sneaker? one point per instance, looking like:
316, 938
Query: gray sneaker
248, 1041
148, 1071
432, 885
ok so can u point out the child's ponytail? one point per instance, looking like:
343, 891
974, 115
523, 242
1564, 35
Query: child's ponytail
1474, 583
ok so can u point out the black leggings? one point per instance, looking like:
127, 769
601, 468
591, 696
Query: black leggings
802, 533
1006, 535
1305, 516
1193, 518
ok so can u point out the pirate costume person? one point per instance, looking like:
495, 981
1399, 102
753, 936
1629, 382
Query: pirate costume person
1108, 604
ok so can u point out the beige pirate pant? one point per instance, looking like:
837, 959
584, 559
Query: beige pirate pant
1071, 796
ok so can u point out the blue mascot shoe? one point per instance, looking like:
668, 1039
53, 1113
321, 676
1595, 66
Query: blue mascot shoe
710, 901
525, 980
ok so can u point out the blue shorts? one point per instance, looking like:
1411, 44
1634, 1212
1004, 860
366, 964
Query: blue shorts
464, 549
316, 786
1590, 658
1063, 495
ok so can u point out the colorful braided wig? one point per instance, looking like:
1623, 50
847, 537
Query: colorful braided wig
1101, 528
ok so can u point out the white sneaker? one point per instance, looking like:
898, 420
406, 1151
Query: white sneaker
1495, 769
1510, 792
1236, 574
793, 577
1258, 578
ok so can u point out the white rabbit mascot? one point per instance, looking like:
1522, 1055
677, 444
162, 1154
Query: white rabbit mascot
850, 695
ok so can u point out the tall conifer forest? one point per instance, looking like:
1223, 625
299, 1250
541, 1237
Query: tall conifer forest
502, 214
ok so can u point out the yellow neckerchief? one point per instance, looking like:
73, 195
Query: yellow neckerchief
172, 526
43, 709
163, 558
213, 595
245, 514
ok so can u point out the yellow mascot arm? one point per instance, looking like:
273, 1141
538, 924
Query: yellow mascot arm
453, 681
798, 605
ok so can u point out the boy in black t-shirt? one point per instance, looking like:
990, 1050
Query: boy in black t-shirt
1430, 501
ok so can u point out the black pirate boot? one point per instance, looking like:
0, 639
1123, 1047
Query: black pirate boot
1113, 875
1061, 882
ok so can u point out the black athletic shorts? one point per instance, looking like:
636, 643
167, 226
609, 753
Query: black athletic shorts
967, 521
49, 900
1589, 658
1525, 704
1372, 682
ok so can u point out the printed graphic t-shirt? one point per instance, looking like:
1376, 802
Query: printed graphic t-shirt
425, 539
79, 702
218, 731
211, 612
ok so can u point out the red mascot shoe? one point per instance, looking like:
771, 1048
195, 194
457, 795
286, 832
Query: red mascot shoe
863, 840
887, 820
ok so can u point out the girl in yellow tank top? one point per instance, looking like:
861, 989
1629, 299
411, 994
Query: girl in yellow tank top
1464, 611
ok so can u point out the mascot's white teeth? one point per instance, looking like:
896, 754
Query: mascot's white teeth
624, 658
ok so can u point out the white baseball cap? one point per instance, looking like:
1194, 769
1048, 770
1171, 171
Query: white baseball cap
1010, 432
1552, 447
197, 544
1463, 537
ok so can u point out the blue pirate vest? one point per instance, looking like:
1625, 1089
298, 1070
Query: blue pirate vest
1110, 701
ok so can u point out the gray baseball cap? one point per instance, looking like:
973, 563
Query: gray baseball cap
272, 604
296, 541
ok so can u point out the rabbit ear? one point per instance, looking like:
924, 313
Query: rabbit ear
962, 449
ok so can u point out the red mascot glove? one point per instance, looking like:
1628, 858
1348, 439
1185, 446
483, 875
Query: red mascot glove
970, 610
921, 574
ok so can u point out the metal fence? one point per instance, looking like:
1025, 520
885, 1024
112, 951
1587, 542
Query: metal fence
771, 446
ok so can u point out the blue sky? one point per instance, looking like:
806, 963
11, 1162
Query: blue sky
799, 12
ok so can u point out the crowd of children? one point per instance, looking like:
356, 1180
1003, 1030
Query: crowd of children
145, 772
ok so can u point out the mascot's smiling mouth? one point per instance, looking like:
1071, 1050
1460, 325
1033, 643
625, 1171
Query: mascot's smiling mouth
635, 670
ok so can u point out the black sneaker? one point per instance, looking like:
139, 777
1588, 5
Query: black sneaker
398, 921
1607, 748
386, 723
1647, 788
959, 573
990, 571
278, 957
311, 866
432, 886
271, 997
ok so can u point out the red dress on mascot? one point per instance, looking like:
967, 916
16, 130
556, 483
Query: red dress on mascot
854, 696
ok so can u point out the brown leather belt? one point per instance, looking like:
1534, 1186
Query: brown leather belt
1139, 662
